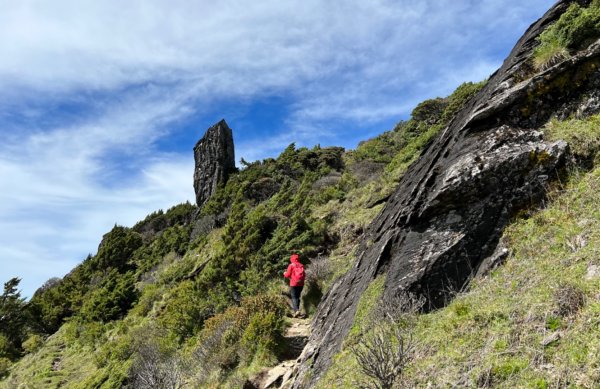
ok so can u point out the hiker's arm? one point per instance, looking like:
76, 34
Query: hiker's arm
288, 272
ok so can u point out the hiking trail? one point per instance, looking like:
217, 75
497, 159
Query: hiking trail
296, 337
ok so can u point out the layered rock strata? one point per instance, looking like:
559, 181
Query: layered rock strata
448, 212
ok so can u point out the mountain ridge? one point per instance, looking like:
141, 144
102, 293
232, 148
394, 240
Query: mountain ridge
192, 296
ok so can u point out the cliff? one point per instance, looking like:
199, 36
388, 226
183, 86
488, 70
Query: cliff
447, 213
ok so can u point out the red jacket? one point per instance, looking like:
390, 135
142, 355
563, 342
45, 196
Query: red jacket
293, 275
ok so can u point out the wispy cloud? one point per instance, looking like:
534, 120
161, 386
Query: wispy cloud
88, 88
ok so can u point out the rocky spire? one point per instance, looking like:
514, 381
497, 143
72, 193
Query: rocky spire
215, 159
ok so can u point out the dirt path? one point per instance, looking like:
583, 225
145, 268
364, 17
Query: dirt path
296, 337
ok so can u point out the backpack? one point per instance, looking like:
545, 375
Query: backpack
298, 272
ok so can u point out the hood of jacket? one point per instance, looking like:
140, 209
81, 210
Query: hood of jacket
294, 258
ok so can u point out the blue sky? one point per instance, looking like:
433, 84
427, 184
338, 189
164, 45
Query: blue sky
101, 102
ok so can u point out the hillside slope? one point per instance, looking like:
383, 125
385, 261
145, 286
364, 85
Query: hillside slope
196, 293
444, 221
193, 296
534, 321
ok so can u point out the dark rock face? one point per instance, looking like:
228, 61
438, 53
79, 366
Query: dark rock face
215, 159
450, 207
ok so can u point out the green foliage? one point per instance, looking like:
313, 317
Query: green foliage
380, 149
171, 240
5, 365
583, 136
112, 298
85, 333
181, 214
508, 367
553, 323
186, 309
52, 304
368, 301
12, 320
33, 343
458, 98
243, 333
149, 295
291, 166
261, 335
430, 111
297, 162
551, 51
117, 349
103, 286
116, 248
574, 30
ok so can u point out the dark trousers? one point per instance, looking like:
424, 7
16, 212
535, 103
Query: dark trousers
295, 291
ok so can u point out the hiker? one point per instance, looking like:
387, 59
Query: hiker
295, 272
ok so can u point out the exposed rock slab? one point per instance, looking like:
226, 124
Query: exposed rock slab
450, 207
215, 160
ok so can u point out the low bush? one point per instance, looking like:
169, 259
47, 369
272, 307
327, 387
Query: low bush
5, 365
550, 52
383, 354
33, 343
153, 367
583, 136
569, 299
242, 333
574, 30
318, 274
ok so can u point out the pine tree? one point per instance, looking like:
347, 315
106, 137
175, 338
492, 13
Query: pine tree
12, 319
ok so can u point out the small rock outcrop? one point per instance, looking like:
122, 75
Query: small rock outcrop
447, 214
215, 160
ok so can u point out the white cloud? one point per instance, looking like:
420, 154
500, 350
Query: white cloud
136, 68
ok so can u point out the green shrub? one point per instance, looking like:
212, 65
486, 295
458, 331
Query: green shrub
185, 310
116, 350
5, 346
460, 96
171, 240
583, 136
574, 30
150, 294
553, 323
116, 248
261, 336
430, 111
509, 367
5, 365
13, 319
111, 299
33, 343
550, 52
240, 334
90, 333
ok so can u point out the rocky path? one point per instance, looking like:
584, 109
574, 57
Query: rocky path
296, 337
